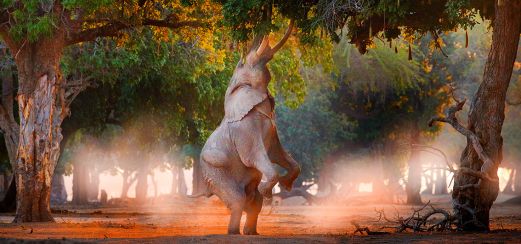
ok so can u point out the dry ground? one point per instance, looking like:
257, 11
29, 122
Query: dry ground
194, 221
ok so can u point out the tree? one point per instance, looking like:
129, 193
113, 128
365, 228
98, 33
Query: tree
475, 188
36, 33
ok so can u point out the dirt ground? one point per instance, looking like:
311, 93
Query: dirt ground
205, 220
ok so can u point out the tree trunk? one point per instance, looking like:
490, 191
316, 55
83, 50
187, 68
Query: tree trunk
128, 180
80, 183
11, 130
181, 183
8, 124
142, 184
58, 192
94, 185
440, 187
413, 186
173, 190
487, 111
197, 178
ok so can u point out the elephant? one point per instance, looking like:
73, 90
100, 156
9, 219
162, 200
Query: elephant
245, 147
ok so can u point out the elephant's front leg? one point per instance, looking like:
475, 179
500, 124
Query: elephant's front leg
279, 156
264, 165
293, 170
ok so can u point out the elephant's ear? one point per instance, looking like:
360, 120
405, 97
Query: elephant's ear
241, 101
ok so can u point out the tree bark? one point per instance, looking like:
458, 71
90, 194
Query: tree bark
413, 186
8, 124
10, 129
472, 204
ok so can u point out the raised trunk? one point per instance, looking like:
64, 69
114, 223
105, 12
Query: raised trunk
80, 183
413, 186
487, 111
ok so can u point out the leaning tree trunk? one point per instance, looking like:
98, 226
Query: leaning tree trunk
41, 110
413, 186
473, 197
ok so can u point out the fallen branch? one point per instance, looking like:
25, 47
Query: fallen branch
421, 220
361, 230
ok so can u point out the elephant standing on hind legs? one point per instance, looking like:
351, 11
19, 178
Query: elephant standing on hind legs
245, 146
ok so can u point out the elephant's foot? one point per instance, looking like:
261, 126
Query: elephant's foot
248, 231
286, 183
265, 189
234, 232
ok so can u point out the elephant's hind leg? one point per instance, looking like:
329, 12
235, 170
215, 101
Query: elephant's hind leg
232, 194
253, 208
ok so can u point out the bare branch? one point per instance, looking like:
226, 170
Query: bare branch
75, 87
445, 158
450, 118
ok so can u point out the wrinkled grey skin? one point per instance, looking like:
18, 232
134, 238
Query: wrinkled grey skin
245, 146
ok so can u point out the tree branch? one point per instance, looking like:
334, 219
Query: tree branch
450, 118
113, 28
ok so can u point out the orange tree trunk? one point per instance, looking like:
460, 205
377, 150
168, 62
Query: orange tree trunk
41, 111
485, 119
